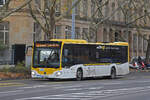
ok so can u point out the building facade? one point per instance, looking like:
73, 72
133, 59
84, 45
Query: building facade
114, 29
16, 31
20, 29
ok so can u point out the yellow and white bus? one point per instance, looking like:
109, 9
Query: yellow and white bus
67, 58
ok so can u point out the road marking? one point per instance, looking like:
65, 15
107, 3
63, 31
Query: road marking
74, 89
12, 91
80, 88
50, 98
58, 82
62, 87
35, 86
54, 87
92, 94
113, 83
62, 98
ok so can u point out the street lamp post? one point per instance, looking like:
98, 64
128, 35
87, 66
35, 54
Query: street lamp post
73, 21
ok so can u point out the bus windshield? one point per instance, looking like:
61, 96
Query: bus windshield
47, 57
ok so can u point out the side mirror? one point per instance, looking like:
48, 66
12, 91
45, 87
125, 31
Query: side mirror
27, 48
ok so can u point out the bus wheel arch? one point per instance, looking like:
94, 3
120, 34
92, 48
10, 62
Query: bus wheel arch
113, 73
79, 74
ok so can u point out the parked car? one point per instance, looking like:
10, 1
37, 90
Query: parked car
134, 64
138, 64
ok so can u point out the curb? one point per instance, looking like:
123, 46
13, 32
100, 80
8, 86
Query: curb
139, 70
3, 79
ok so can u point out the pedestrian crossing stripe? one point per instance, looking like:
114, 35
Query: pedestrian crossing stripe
90, 95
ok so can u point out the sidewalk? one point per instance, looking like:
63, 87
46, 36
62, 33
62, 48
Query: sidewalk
139, 70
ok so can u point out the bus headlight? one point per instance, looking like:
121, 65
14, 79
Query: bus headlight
33, 73
58, 73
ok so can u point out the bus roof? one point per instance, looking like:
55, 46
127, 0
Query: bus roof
114, 43
79, 41
70, 40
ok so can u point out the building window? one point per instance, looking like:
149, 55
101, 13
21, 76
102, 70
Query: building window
68, 32
113, 8
2, 2
85, 7
77, 10
105, 35
47, 4
85, 33
119, 14
92, 7
140, 43
57, 33
107, 9
38, 3
111, 35
36, 32
134, 42
4, 33
116, 36
126, 36
58, 8
145, 43
77, 33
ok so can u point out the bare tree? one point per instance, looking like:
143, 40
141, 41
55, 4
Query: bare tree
98, 19
46, 17
6, 10
96, 7
136, 15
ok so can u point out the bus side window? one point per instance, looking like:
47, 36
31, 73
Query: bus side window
124, 55
65, 59
65, 52
67, 56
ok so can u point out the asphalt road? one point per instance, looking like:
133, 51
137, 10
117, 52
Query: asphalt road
135, 86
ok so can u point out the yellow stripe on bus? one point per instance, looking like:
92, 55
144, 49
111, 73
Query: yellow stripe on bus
99, 64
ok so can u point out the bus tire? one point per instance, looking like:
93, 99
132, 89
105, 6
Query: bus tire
79, 74
113, 73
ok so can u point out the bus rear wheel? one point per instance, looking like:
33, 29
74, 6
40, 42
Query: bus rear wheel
113, 73
79, 75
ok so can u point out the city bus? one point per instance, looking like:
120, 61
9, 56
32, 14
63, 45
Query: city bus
78, 59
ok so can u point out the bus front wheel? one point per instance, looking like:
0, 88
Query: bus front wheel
113, 73
79, 75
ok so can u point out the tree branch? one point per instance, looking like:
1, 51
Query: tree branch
69, 10
14, 10
35, 18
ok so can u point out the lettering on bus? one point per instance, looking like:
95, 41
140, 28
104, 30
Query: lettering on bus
100, 47
107, 47
113, 48
47, 45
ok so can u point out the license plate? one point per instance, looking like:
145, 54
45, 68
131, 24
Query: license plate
41, 69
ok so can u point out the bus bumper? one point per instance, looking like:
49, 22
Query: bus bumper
57, 74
